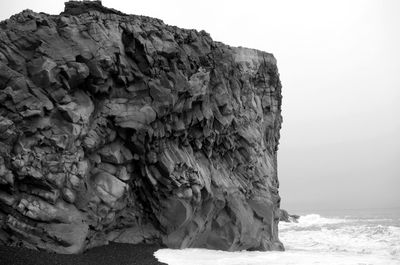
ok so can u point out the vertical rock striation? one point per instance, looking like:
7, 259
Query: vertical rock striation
120, 128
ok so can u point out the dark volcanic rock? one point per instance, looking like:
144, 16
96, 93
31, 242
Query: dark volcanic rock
284, 216
121, 128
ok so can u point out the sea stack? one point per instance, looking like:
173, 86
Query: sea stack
120, 128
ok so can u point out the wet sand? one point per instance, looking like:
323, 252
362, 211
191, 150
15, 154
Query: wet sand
112, 254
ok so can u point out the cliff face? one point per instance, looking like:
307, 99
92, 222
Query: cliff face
121, 128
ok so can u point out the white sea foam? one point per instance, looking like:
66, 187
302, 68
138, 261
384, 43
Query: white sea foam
312, 220
213, 257
352, 236
313, 240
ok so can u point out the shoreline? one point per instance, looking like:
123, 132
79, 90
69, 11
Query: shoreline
111, 254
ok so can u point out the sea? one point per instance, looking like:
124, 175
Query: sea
337, 237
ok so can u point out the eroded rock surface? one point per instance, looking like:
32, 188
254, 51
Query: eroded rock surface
121, 128
284, 216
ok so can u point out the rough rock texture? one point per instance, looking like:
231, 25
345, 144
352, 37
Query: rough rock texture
284, 216
121, 128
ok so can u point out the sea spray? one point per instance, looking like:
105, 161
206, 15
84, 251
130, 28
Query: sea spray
315, 239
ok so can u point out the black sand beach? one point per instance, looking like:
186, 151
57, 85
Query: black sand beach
112, 254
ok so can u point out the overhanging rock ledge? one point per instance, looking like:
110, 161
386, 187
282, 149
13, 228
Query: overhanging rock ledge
120, 128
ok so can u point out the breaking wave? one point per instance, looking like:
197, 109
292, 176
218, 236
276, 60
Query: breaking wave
315, 239
357, 236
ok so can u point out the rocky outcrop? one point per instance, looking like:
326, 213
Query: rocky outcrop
284, 216
121, 128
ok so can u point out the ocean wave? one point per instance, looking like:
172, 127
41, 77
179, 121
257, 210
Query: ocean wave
316, 219
315, 239
215, 257
311, 220
316, 233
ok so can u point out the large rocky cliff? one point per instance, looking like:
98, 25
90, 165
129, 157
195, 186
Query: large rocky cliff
120, 128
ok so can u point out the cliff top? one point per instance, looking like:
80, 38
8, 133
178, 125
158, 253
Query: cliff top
79, 7
89, 8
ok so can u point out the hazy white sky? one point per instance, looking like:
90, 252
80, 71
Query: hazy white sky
340, 68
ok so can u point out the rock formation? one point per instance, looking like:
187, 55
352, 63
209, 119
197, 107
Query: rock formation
284, 216
117, 127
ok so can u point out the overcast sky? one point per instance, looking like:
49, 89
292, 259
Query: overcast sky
339, 63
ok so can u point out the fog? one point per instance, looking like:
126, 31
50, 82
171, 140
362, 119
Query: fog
339, 63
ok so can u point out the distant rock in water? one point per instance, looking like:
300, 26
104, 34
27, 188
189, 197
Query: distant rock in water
119, 128
284, 216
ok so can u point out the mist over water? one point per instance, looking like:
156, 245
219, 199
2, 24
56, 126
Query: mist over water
349, 238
